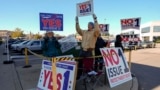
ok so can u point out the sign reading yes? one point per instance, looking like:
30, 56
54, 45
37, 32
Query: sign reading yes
51, 22
131, 23
85, 8
45, 79
66, 73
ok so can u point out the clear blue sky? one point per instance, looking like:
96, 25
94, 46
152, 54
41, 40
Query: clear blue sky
25, 13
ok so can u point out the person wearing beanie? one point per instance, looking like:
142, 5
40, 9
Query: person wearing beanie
89, 38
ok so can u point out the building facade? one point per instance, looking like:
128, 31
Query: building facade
3, 33
130, 31
150, 31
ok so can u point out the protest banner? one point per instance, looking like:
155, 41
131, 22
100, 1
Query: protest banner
68, 43
116, 66
66, 70
131, 23
104, 27
51, 22
85, 8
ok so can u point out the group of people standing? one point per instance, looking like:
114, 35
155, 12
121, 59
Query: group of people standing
91, 41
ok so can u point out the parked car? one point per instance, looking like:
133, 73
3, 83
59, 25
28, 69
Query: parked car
19, 43
33, 45
150, 44
10, 42
142, 45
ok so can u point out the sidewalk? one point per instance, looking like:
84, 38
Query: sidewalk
8, 76
14, 77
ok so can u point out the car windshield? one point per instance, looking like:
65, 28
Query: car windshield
24, 42
143, 42
16, 42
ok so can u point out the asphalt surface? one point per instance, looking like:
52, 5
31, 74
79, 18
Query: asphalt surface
145, 66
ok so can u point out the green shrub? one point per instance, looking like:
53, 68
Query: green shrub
157, 41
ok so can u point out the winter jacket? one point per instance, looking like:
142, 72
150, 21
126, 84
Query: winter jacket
89, 38
118, 42
50, 47
100, 43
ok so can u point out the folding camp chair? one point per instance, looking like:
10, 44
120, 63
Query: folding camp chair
90, 77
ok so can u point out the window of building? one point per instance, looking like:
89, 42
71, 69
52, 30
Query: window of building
156, 28
156, 39
145, 30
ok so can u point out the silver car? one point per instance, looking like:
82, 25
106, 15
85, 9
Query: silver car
33, 45
14, 46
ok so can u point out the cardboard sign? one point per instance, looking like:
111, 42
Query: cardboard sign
45, 79
68, 43
85, 8
51, 22
104, 27
66, 70
66, 75
131, 23
116, 66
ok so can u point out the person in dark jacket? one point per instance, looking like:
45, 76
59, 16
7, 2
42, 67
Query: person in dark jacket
50, 45
100, 43
118, 42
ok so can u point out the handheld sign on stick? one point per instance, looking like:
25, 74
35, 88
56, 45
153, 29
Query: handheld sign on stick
131, 23
85, 8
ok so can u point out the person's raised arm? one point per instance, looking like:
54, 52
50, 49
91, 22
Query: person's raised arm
96, 26
78, 29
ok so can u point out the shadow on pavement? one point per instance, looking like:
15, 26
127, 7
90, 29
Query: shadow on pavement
148, 76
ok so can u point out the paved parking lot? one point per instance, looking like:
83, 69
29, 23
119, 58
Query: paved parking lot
145, 66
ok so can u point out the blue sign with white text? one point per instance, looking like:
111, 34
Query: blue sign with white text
51, 22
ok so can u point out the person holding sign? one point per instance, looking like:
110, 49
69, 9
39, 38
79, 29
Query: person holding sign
89, 38
50, 45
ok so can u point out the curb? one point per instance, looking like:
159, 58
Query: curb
16, 79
